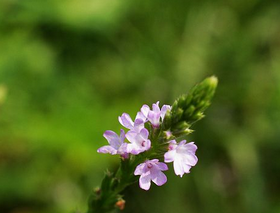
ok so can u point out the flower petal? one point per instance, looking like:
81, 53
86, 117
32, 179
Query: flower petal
172, 145
145, 182
156, 108
178, 167
144, 133
146, 145
190, 159
159, 178
122, 135
191, 147
141, 116
162, 166
169, 156
154, 117
182, 142
123, 149
107, 149
186, 168
112, 138
164, 109
138, 125
140, 169
126, 121
153, 161
145, 109
131, 136
133, 149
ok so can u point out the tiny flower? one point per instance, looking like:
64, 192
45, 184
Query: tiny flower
127, 122
168, 134
117, 145
155, 114
151, 170
139, 141
182, 155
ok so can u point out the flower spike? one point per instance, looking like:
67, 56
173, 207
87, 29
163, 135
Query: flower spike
156, 133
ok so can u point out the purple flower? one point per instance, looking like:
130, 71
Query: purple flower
151, 170
139, 141
117, 145
182, 155
127, 122
155, 114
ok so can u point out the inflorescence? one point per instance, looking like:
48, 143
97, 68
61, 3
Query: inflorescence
156, 136
137, 141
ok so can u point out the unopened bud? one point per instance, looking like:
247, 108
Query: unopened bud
188, 112
120, 204
97, 191
177, 115
182, 101
168, 134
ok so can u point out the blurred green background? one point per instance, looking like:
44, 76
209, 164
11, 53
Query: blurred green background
68, 69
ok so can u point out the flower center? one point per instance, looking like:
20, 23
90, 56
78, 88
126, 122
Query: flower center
149, 165
171, 147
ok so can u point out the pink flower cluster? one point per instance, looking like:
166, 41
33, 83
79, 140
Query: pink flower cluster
181, 154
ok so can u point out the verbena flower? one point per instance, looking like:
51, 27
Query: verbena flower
139, 141
117, 144
155, 114
182, 155
127, 122
151, 170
